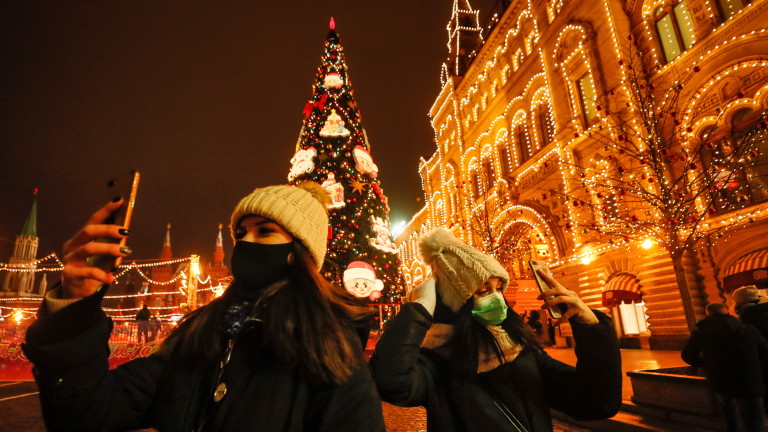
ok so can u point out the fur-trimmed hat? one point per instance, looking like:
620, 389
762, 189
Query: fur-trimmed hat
458, 268
746, 295
300, 209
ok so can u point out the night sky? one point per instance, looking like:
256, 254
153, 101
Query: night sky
204, 98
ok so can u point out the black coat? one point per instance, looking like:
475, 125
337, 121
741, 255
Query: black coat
407, 375
78, 393
731, 353
757, 315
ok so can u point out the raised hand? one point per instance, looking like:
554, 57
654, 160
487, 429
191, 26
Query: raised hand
560, 295
79, 279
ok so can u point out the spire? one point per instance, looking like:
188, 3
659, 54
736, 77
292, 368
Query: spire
464, 38
166, 253
218, 254
30, 226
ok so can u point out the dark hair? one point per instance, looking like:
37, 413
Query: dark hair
308, 325
716, 309
470, 338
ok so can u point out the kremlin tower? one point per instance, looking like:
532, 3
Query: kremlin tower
22, 283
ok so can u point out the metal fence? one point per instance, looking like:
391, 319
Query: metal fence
123, 332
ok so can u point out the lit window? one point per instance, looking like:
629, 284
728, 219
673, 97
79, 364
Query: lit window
506, 162
633, 318
729, 8
587, 96
522, 143
546, 123
675, 30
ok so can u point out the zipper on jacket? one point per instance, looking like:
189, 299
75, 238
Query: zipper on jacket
220, 388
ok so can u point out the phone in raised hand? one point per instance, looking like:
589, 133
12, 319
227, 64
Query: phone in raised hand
536, 266
123, 186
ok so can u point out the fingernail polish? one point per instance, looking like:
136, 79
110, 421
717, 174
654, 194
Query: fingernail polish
126, 250
123, 231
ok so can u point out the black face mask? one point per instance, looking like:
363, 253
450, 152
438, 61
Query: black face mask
255, 266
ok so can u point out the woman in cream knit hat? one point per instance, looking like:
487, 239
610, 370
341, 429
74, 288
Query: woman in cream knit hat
457, 349
278, 351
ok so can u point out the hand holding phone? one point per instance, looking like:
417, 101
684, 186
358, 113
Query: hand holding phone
122, 187
536, 266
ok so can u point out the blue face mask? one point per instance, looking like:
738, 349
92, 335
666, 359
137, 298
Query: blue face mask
490, 310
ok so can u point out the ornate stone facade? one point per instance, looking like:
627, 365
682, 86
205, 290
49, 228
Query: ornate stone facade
510, 128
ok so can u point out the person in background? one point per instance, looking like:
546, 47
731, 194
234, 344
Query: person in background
278, 351
732, 354
534, 321
752, 308
457, 349
142, 321
154, 326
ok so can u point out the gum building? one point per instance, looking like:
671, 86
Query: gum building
520, 129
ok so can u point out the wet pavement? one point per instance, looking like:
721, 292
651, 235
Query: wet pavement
631, 360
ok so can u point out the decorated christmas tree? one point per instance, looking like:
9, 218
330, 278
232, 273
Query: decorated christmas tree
333, 150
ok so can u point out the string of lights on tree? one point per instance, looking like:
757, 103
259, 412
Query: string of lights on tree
333, 150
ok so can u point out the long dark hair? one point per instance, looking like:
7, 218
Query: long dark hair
470, 338
308, 325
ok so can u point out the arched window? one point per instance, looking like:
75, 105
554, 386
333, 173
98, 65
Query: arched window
729, 8
736, 184
546, 123
587, 97
625, 299
523, 147
506, 161
674, 28
477, 188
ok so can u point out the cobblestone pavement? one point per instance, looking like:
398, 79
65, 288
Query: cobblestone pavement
400, 419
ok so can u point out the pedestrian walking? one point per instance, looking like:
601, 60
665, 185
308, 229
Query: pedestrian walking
278, 351
732, 354
142, 322
457, 349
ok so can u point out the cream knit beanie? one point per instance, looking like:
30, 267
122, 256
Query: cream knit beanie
299, 209
459, 268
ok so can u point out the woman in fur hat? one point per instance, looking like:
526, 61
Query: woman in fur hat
457, 349
277, 352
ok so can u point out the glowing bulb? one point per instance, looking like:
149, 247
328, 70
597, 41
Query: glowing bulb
647, 244
586, 259
18, 316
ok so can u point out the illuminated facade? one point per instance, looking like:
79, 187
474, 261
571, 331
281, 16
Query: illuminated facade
520, 104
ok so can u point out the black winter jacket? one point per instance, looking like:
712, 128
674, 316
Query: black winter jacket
78, 393
529, 386
731, 353
757, 315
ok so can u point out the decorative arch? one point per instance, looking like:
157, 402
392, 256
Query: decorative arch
748, 269
531, 217
571, 38
621, 287
716, 93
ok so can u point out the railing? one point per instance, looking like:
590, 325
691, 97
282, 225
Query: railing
123, 332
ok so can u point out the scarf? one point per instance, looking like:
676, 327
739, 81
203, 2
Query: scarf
439, 335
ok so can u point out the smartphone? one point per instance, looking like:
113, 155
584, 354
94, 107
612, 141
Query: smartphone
124, 186
536, 266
